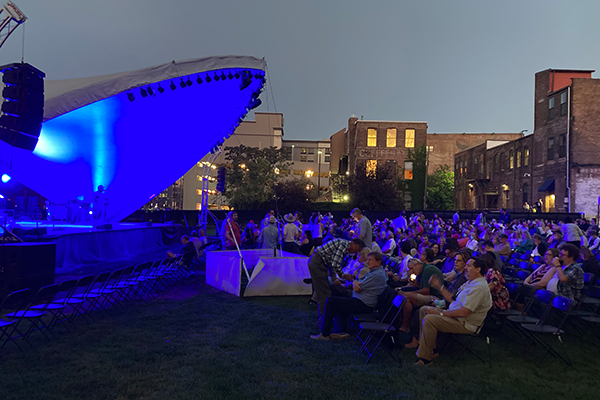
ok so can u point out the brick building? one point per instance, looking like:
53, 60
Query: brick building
443, 146
558, 164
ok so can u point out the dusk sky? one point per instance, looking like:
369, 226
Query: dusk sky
462, 66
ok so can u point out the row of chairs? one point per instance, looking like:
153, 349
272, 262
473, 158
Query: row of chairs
23, 312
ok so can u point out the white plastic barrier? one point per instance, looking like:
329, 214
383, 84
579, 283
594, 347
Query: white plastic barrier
270, 276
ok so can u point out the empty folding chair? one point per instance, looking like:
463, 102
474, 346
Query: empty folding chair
516, 291
382, 310
107, 291
523, 265
12, 302
525, 257
33, 316
382, 329
562, 305
59, 304
77, 299
91, 297
541, 299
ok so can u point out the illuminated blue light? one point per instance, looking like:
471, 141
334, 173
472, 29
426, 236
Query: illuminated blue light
134, 149
5, 178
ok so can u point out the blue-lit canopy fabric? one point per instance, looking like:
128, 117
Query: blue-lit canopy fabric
94, 135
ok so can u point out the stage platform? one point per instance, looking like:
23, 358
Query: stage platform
81, 245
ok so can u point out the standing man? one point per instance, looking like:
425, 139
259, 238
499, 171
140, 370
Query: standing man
290, 234
400, 222
326, 261
269, 235
231, 232
364, 229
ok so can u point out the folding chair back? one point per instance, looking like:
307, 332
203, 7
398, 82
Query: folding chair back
588, 279
525, 256
522, 275
13, 301
524, 265
538, 259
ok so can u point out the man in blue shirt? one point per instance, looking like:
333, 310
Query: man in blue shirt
364, 299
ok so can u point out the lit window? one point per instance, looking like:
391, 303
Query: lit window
198, 206
371, 167
199, 192
511, 160
409, 138
408, 170
519, 158
430, 149
391, 138
371, 137
526, 157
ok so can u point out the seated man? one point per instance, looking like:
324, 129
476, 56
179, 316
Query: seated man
568, 280
488, 247
364, 299
503, 248
464, 315
424, 295
188, 253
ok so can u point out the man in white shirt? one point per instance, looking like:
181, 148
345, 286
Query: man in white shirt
290, 234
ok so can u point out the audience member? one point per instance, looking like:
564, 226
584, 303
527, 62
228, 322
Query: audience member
269, 235
364, 229
568, 279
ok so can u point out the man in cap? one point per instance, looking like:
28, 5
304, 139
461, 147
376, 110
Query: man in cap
290, 234
269, 235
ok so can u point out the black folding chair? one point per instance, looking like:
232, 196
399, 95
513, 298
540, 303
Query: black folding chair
541, 299
464, 340
383, 330
59, 304
381, 312
77, 300
562, 305
41, 300
92, 298
13, 301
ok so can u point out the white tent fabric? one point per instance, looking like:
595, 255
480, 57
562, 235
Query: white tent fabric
63, 96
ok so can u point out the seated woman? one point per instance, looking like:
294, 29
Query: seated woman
438, 256
540, 246
525, 244
590, 264
306, 243
542, 275
495, 280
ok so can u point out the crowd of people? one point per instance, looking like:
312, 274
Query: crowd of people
452, 273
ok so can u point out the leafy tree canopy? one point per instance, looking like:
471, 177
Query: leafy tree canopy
374, 191
440, 189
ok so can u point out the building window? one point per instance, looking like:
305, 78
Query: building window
551, 108
310, 158
511, 159
481, 163
430, 149
519, 158
563, 103
562, 146
289, 153
525, 193
303, 152
408, 170
372, 137
390, 140
495, 162
327, 158
502, 161
550, 148
198, 206
371, 167
526, 156
409, 138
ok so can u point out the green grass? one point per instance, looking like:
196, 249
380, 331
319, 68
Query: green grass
199, 343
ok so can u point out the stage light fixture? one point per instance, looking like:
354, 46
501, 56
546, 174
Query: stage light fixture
188, 82
208, 78
173, 87
6, 178
160, 89
246, 80
182, 83
217, 77
223, 76
150, 91
237, 75
143, 92
199, 80
130, 96
255, 103
230, 75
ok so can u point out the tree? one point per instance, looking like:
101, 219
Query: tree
440, 189
376, 190
251, 174
416, 185
293, 195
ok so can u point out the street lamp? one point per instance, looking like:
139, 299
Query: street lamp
319, 152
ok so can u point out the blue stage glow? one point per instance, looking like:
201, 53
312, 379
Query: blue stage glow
134, 149
5, 178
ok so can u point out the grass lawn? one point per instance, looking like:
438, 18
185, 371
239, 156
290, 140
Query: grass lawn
199, 343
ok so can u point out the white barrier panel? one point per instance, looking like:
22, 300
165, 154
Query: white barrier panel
270, 276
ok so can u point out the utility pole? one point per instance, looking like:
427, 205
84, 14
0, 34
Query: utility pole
319, 176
